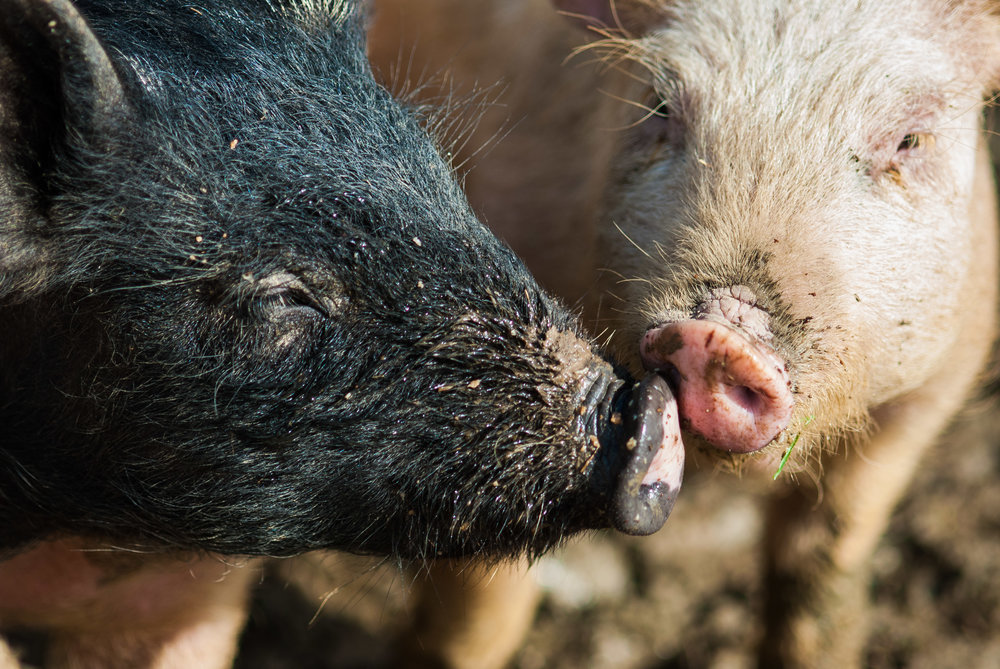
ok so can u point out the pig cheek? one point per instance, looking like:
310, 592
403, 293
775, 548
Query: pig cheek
647, 216
903, 314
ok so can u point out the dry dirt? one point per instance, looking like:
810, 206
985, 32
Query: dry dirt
689, 596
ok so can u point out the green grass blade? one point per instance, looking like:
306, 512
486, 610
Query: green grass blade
784, 458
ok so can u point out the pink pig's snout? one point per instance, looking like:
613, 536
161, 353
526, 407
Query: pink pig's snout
730, 390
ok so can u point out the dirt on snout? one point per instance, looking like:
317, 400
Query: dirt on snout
690, 595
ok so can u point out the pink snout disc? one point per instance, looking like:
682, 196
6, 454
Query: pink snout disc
731, 391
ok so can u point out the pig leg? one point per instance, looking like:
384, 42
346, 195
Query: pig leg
818, 552
208, 642
199, 628
7, 658
470, 615
817, 563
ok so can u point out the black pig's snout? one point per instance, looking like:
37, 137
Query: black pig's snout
642, 452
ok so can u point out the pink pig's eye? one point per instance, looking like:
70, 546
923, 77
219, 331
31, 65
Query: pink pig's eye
908, 153
913, 141
659, 108
661, 123
913, 145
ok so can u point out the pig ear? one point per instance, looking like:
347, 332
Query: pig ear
633, 17
56, 81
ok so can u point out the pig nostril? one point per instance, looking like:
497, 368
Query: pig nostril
747, 398
673, 376
731, 390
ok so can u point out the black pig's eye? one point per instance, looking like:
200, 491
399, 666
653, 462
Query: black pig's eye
282, 295
291, 299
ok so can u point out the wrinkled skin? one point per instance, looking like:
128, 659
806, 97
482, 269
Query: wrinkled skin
247, 311
784, 208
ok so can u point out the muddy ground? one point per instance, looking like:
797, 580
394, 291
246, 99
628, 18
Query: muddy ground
689, 596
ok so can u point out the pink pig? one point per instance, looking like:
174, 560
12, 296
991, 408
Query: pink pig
783, 207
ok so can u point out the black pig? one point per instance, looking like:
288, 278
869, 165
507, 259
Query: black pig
246, 309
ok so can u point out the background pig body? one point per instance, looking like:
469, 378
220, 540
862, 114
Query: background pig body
247, 310
805, 178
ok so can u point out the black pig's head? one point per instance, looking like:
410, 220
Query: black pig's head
246, 308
